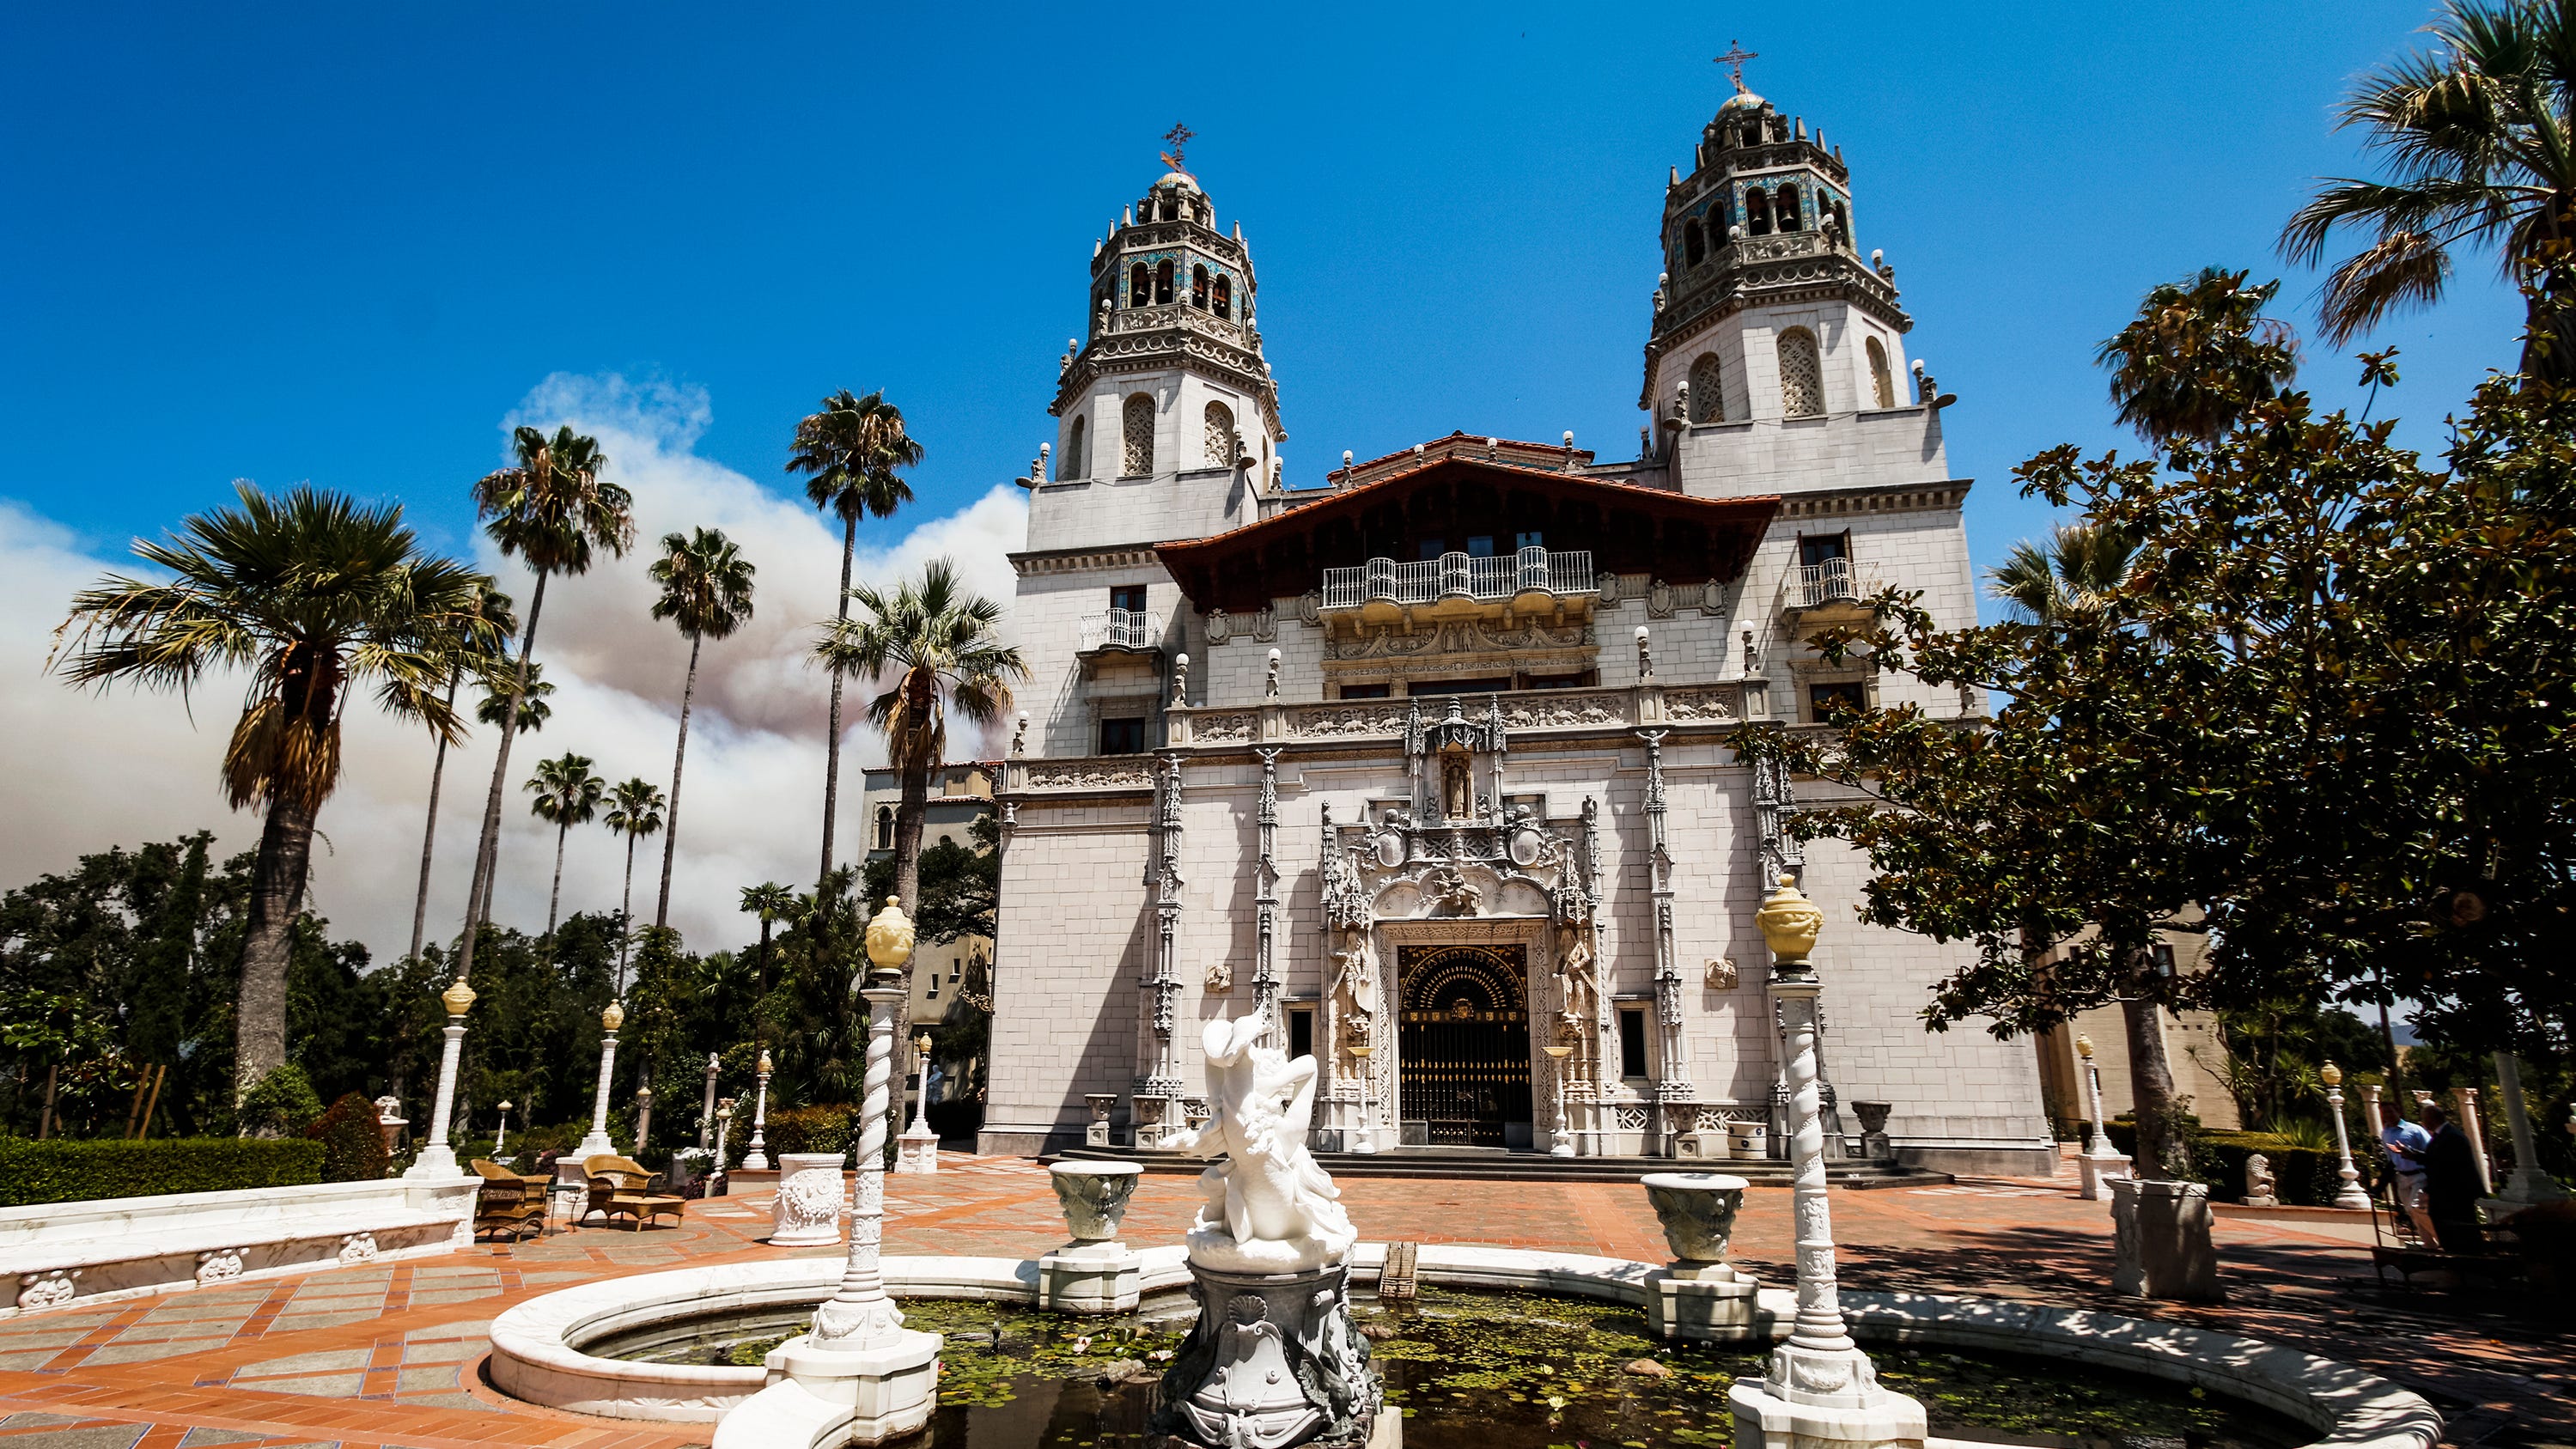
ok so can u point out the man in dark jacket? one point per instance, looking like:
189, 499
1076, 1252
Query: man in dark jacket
2451, 1185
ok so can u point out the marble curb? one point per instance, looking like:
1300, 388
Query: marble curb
537, 1346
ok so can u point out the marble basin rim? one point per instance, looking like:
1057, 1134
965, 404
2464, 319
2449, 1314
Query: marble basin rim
537, 1353
1697, 1210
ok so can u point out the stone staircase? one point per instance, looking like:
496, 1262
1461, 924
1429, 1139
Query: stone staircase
1509, 1166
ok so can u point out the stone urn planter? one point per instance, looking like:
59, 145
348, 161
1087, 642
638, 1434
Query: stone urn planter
1094, 1273
810, 1195
1094, 1198
1698, 1296
1873, 1129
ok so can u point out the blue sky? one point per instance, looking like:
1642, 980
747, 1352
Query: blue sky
342, 243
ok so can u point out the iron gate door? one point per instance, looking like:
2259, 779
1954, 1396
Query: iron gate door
1462, 1042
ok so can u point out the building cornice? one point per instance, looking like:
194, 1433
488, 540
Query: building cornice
1083, 560
1943, 497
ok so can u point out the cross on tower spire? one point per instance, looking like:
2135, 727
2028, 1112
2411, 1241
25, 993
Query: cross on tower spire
1734, 59
1180, 136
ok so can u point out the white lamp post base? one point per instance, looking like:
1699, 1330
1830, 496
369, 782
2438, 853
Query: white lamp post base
1822, 1399
820, 1398
917, 1150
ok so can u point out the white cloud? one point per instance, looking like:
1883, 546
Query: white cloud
93, 771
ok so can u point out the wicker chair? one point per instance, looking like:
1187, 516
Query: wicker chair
621, 1186
509, 1202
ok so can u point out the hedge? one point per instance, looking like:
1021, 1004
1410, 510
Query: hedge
70, 1170
798, 1129
353, 1141
2301, 1176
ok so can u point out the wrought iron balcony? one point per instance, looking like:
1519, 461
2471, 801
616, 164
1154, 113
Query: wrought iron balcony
1130, 629
1834, 581
1460, 576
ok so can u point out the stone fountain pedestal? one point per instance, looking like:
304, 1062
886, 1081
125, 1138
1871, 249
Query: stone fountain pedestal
1094, 1273
1273, 1361
1698, 1297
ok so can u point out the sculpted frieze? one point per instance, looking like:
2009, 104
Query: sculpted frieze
1458, 636
1090, 774
1331, 722
1565, 710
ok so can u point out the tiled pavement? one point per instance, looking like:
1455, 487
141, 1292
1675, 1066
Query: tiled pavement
392, 1354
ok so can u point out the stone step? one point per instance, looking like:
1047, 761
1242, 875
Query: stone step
1503, 1165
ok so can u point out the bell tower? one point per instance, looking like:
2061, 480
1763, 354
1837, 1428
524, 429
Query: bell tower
1766, 310
1166, 411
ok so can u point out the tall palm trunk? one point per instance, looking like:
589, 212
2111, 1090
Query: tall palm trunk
2161, 1154
554, 902
487, 849
626, 918
429, 832
268, 944
671, 817
832, 747
909, 813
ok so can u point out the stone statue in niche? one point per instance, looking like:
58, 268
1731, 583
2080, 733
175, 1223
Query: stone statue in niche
1578, 989
1457, 787
1355, 974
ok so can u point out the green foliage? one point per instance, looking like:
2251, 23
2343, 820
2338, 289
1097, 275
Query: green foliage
58, 1170
825, 1128
2276, 1048
353, 1144
961, 886
280, 1104
2304, 1174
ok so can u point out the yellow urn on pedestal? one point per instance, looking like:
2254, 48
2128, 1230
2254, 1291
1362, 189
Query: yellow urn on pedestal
459, 998
890, 937
1790, 922
614, 1017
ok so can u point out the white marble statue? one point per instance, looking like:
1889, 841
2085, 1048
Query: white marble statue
1269, 1208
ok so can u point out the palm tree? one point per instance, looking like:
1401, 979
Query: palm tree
634, 811
315, 595
568, 794
772, 903
2199, 354
497, 605
706, 590
939, 642
535, 706
2075, 571
2479, 137
852, 447
552, 510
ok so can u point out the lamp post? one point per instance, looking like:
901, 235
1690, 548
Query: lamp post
918, 1149
724, 1124
707, 1112
643, 1118
597, 1143
1360, 1052
921, 1098
437, 1158
501, 1130
1821, 1389
755, 1157
2100, 1160
859, 1313
2349, 1196
1561, 1142
2528, 1182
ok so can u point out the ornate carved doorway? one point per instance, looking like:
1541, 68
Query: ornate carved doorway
1463, 1042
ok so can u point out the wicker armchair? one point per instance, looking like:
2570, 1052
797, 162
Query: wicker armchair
509, 1202
621, 1186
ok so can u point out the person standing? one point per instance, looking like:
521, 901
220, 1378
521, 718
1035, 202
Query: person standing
2405, 1143
2451, 1185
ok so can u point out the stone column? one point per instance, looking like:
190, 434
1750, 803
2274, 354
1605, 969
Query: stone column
1672, 1082
2528, 1184
1161, 1082
1265, 893
2473, 1122
707, 1112
643, 1118
2348, 1195
437, 1156
1821, 1390
756, 1156
596, 1144
2100, 1161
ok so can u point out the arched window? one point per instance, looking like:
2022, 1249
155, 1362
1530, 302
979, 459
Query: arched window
1221, 440
1199, 288
1140, 285
1842, 219
1694, 245
885, 827
1221, 296
1171, 209
1802, 376
1138, 428
1882, 382
1163, 282
1708, 390
1076, 445
1757, 212
1785, 208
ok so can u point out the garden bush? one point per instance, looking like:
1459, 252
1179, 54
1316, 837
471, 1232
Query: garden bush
2301, 1176
353, 1143
282, 1104
801, 1129
66, 1170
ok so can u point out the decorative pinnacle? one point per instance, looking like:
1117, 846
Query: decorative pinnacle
1180, 136
1734, 59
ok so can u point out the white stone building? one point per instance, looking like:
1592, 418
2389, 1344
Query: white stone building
1430, 760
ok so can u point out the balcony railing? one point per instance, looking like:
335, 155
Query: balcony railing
1122, 629
1834, 581
1460, 576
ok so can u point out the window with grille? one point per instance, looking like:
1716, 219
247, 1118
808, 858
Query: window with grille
1139, 431
1220, 441
1802, 375
1708, 390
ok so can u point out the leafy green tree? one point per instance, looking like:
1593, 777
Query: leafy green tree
2198, 354
850, 449
2479, 141
634, 811
706, 590
567, 794
772, 903
961, 885
313, 595
553, 511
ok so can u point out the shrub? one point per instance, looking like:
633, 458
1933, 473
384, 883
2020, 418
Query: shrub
283, 1104
800, 1129
353, 1144
65, 1170
2301, 1176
